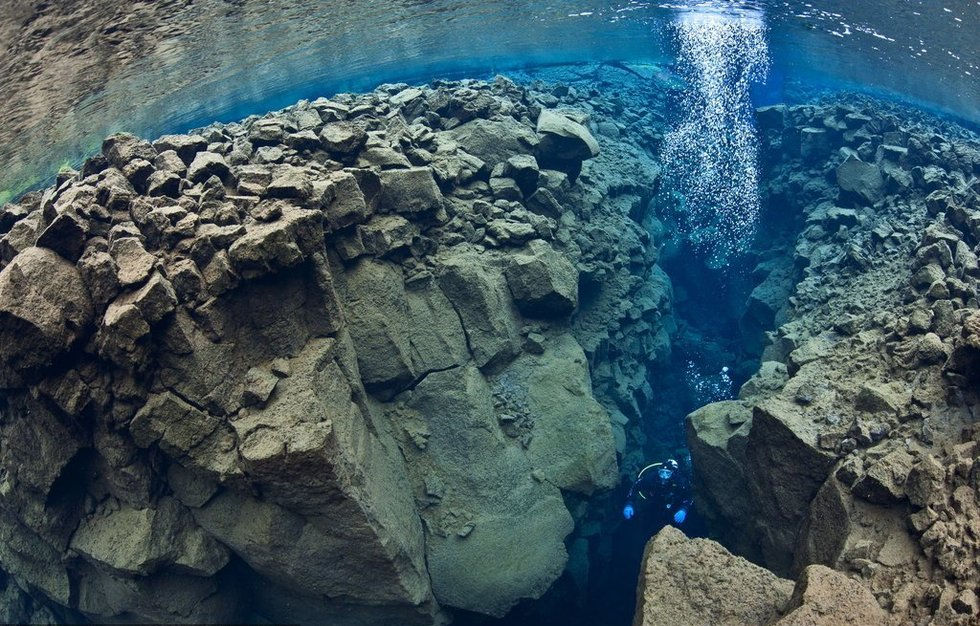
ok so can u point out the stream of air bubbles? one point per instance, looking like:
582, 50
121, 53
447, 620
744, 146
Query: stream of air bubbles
711, 155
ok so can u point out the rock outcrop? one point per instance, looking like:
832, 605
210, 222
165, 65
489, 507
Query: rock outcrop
697, 581
326, 364
855, 446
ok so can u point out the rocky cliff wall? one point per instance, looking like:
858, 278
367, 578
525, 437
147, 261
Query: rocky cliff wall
340, 362
855, 446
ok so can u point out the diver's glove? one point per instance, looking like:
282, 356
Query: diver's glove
680, 515
629, 511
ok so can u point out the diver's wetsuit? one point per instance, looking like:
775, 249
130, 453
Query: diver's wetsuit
662, 490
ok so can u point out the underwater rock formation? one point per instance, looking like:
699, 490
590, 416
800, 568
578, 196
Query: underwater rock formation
338, 362
697, 581
856, 445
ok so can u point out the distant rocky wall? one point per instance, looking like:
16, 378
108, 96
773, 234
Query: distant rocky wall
338, 363
856, 444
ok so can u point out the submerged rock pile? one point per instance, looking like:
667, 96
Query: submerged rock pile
856, 444
328, 363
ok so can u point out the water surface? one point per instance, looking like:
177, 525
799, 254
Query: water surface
75, 71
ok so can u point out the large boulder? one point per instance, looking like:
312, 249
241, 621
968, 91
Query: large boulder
717, 434
44, 310
336, 518
400, 334
760, 474
786, 467
563, 137
696, 581
494, 141
479, 294
571, 442
486, 508
860, 183
544, 283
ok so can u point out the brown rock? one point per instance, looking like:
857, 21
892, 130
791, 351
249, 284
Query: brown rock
824, 597
696, 581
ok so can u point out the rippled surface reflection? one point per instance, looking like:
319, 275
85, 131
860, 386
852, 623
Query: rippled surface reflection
74, 70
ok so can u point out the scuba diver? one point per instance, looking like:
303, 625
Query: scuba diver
664, 489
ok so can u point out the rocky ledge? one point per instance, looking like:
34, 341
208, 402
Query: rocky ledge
329, 363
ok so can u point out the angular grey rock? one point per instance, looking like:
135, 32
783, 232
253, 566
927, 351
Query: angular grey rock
138, 172
479, 294
143, 541
814, 145
523, 168
494, 141
170, 161
121, 336
163, 183
44, 310
155, 300
259, 385
400, 335
717, 435
344, 202
543, 282
463, 561
506, 189
383, 157
825, 596
884, 482
185, 146
122, 148
860, 182
293, 183
344, 139
573, 446
350, 528
21, 236
196, 439
386, 233
100, 275
66, 235
277, 245
409, 191
774, 469
303, 140
134, 263
510, 232
563, 138
206, 165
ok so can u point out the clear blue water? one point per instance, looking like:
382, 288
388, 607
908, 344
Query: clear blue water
75, 72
